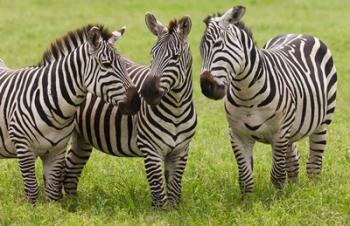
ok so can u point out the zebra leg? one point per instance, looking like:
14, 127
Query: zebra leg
153, 165
243, 151
279, 151
317, 142
76, 159
292, 161
53, 163
26, 160
174, 169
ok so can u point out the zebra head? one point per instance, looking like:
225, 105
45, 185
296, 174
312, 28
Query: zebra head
222, 51
106, 74
171, 58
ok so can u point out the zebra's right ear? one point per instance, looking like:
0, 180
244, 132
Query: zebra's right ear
232, 16
94, 37
153, 24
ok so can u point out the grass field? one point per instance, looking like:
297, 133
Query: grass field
114, 191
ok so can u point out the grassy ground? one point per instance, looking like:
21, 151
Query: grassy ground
115, 191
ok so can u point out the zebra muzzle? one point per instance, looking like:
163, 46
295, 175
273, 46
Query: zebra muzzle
151, 91
131, 103
211, 88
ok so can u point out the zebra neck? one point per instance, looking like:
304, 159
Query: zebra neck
250, 84
63, 84
183, 94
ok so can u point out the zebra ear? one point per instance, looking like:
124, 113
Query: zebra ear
184, 26
232, 16
94, 37
116, 35
153, 24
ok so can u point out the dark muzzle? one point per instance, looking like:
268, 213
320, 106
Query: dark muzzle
131, 103
210, 88
151, 91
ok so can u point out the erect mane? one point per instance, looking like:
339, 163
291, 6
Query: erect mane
240, 24
73, 39
172, 26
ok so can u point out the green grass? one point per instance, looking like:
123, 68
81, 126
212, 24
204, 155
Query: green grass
115, 191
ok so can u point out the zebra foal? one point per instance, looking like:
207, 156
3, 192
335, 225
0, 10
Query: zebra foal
160, 132
275, 95
38, 103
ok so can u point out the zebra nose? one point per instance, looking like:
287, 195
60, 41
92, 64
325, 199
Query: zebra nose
210, 88
151, 91
131, 103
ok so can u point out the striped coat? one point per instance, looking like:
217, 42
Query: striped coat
275, 95
162, 129
38, 103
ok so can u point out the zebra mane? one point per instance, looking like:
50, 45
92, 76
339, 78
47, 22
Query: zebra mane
172, 26
241, 25
70, 41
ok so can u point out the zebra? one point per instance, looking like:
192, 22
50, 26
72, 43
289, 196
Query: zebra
160, 131
275, 95
38, 103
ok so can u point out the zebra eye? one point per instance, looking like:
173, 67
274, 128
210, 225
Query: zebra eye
175, 57
106, 64
218, 43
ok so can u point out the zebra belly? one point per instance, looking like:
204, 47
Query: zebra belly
259, 124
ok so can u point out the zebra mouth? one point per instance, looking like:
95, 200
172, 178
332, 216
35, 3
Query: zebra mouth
151, 91
131, 103
210, 88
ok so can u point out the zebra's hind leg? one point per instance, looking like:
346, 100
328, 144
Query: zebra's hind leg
53, 163
242, 149
76, 159
174, 168
26, 160
317, 142
292, 160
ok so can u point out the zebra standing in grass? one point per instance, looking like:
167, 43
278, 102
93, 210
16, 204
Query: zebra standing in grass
275, 95
162, 129
38, 103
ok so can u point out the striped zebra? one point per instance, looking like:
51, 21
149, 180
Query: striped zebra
275, 95
38, 103
162, 129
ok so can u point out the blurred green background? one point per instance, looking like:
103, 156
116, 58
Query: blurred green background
114, 190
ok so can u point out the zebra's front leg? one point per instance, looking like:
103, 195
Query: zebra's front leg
53, 163
279, 151
242, 148
154, 172
317, 142
174, 168
26, 158
76, 159
292, 160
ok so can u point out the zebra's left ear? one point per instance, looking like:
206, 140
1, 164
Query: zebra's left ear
153, 24
94, 37
116, 35
184, 26
232, 16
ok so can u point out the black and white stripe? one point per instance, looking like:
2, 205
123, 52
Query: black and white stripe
162, 129
276, 95
38, 103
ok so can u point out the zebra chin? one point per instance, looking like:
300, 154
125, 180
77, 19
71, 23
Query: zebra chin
210, 88
151, 90
131, 103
